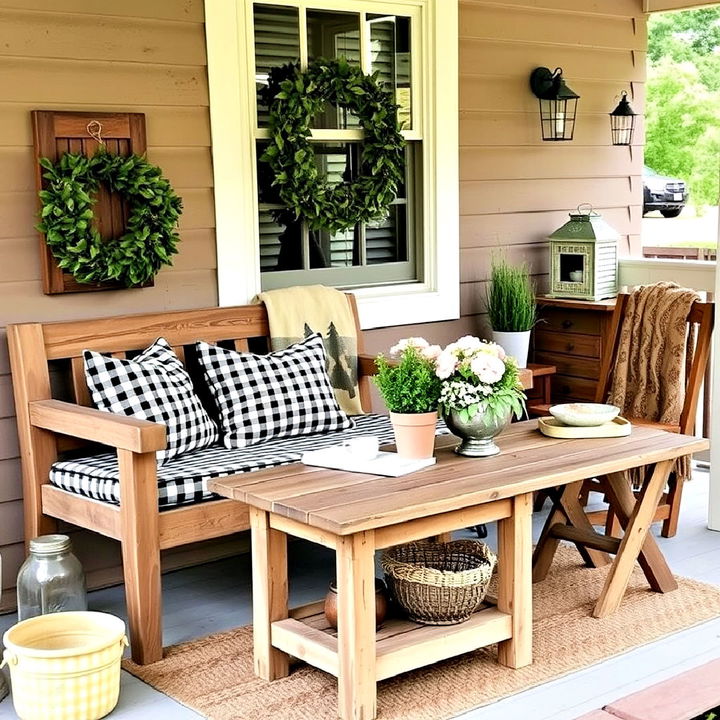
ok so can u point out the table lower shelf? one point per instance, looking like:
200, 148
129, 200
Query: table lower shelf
401, 644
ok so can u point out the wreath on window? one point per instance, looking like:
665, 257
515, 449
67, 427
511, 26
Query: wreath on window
66, 217
294, 99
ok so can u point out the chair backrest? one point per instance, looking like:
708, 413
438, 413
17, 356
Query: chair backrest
702, 315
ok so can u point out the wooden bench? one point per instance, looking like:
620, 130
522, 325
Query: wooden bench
54, 416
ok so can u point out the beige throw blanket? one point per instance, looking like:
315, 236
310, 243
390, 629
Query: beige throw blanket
296, 312
654, 355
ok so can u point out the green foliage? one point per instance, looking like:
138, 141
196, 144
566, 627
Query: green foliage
511, 297
66, 217
683, 35
410, 385
681, 130
294, 98
683, 99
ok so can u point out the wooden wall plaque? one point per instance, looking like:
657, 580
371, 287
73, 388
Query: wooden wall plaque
56, 133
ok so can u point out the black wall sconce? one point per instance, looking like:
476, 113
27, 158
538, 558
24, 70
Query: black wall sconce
622, 122
558, 103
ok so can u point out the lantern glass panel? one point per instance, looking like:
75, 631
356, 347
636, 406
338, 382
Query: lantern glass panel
557, 118
622, 128
572, 267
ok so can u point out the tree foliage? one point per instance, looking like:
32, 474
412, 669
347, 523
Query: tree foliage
683, 99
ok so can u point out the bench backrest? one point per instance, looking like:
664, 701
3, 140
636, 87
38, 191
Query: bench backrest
47, 361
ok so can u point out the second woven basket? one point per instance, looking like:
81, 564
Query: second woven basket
439, 583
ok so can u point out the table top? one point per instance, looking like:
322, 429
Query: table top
345, 502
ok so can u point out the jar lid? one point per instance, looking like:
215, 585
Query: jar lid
49, 544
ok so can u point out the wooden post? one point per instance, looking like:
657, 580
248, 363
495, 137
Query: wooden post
357, 694
140, 540
270, 594
515, 581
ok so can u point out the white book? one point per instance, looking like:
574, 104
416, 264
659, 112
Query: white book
384, 463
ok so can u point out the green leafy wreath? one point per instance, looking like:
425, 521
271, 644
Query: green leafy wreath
66, 218
294, 98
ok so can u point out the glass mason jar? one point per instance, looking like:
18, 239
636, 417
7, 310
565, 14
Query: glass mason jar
51, 579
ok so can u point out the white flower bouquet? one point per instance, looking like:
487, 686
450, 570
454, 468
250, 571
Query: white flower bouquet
477, 376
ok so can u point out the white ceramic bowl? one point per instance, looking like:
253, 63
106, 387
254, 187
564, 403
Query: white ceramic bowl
584, 414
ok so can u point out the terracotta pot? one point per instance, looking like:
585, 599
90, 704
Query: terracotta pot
414, 433
381, 603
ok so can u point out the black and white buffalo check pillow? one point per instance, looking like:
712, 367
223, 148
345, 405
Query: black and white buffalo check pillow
154, 386
280, 394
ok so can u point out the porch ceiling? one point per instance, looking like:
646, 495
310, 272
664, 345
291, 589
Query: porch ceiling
660, 5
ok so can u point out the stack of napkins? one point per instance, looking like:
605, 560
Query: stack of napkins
384, 463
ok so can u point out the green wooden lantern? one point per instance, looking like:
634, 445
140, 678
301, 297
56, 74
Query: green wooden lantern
584, 257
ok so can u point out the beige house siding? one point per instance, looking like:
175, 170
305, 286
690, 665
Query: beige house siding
514, 188
149, 56
136, 56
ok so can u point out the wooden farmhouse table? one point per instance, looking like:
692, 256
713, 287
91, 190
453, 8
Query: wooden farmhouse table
356, 514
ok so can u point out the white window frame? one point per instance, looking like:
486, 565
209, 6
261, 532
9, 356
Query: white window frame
232, 120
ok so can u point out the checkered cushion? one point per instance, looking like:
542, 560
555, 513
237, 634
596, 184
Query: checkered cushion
281, 394
184, 480
154, 386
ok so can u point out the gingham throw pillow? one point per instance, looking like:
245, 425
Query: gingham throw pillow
280, 394
154, 386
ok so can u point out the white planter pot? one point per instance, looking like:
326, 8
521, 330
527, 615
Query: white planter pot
515, 344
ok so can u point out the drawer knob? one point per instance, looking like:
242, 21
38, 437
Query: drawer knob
570, 347
567, 324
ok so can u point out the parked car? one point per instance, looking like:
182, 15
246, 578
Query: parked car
663, 193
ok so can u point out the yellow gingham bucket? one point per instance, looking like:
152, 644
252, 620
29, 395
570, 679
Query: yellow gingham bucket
65, 666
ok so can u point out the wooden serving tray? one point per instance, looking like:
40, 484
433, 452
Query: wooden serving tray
619, 427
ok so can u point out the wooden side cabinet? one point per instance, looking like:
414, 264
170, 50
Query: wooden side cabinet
571, 335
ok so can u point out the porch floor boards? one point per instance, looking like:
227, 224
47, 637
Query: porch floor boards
217, 597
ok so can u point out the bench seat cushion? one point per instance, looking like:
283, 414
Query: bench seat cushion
183, 480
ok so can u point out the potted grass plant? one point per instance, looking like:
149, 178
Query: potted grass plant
410, 388
511, 308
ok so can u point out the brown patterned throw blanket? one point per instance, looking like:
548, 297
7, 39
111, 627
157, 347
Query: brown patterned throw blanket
654, 354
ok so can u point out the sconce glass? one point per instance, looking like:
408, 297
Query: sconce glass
558, 103
622, 122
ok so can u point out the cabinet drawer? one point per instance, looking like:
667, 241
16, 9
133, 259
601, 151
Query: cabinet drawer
565, 388
570, 343
575, 321
571, 365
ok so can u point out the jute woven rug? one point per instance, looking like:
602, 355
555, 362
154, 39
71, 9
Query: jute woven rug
214, 675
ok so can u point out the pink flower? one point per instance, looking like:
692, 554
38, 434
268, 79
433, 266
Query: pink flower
415, 342
445, 364
431, 352
489, 368
468, 344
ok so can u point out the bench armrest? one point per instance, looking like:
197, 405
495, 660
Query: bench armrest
118, 431
366, 365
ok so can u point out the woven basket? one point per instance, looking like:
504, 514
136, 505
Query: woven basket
439, 583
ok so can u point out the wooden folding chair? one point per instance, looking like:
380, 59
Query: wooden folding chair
567, 519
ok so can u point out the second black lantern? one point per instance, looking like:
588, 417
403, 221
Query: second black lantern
558, 103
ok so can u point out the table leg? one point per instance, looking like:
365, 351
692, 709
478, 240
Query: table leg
357, 692
270, 594
515, 581
636, 537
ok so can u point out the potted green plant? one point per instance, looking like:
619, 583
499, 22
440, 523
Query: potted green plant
511, 308
410, 387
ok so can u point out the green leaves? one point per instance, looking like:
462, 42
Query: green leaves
66, 217
294, 99
411, 385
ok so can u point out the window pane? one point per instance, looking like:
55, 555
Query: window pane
390, 58
281, 246
332, 35
386, 239
277, 42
